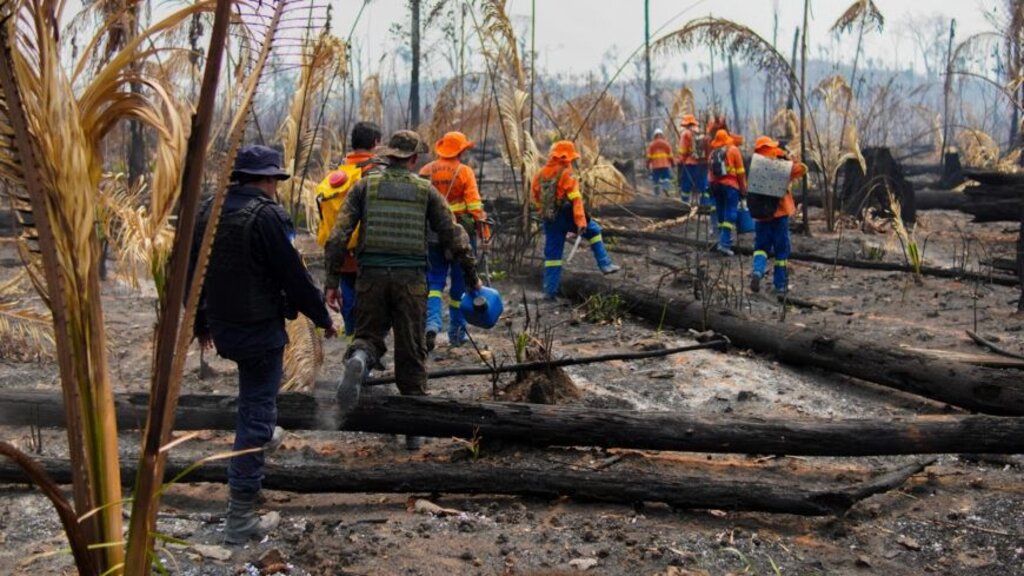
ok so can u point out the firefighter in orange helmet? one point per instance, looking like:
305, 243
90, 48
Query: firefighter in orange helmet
729, 182
556, 195
456, 182
771, 222
693, 163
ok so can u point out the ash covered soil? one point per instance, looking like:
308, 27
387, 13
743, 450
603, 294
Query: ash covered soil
962, 515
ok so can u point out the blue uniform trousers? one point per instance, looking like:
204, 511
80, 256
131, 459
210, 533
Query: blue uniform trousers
554, 245
772, 236
727, 202
662, 178
348, 302
259, 378
437, 276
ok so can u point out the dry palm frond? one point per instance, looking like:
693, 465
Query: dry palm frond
977, 148
603, 109
729, 38
54, 123
862, 13
501, 37
785, 124
25, 332
834, 91
602, 184
443, 114
304, 355
498, 44
683, 103
322, 60
371, 106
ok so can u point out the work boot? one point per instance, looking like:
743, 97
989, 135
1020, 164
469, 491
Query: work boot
275, 440
242, 523
431, 340
352, 381
755, 283
724, 251
610, 269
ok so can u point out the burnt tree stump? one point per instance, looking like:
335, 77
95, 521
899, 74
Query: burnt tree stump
869, 190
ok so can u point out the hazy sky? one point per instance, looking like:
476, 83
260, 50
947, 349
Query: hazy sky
576, 36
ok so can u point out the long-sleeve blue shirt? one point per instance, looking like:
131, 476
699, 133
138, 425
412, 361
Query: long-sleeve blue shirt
272, 236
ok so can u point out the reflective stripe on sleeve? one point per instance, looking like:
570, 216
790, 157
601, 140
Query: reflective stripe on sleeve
552, 263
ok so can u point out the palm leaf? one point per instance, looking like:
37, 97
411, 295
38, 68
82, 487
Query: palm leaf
729, 38
304, 355
860, 13
371, 105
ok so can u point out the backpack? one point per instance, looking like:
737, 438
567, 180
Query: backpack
330, 196
700, 146
718, 167
762, 206
550, 203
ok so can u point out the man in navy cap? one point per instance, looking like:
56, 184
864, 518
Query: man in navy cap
255, 279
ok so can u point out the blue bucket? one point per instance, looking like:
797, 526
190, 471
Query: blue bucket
482, 307
744, 221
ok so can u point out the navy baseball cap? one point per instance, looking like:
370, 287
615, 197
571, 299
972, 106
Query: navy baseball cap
259, 160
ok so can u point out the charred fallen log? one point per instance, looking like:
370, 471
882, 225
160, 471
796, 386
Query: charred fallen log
546, 425
789, 495
1000, 279
980, 389
999, 196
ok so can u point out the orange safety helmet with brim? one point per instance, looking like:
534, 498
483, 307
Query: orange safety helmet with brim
452, 144
721, 138
563, 150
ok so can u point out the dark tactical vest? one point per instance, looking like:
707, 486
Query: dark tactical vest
550, 203
396, 215
238, 285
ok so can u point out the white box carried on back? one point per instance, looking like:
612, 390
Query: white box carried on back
769, 176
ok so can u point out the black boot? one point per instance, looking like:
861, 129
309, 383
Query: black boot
242, 523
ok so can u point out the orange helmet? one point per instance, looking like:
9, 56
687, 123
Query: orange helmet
563, 150
721, 139
765, 142
690, 120
452, 144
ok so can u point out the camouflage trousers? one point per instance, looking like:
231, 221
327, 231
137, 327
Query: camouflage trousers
394, 298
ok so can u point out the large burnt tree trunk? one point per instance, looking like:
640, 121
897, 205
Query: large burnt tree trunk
980, 389
953, 273
787, 494
870, 190
562, 425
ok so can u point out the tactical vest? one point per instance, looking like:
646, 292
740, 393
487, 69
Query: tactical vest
238, 285
550, 203
396, 215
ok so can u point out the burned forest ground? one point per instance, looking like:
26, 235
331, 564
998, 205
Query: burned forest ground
961, 515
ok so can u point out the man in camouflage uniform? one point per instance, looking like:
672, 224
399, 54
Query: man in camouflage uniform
393, 209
